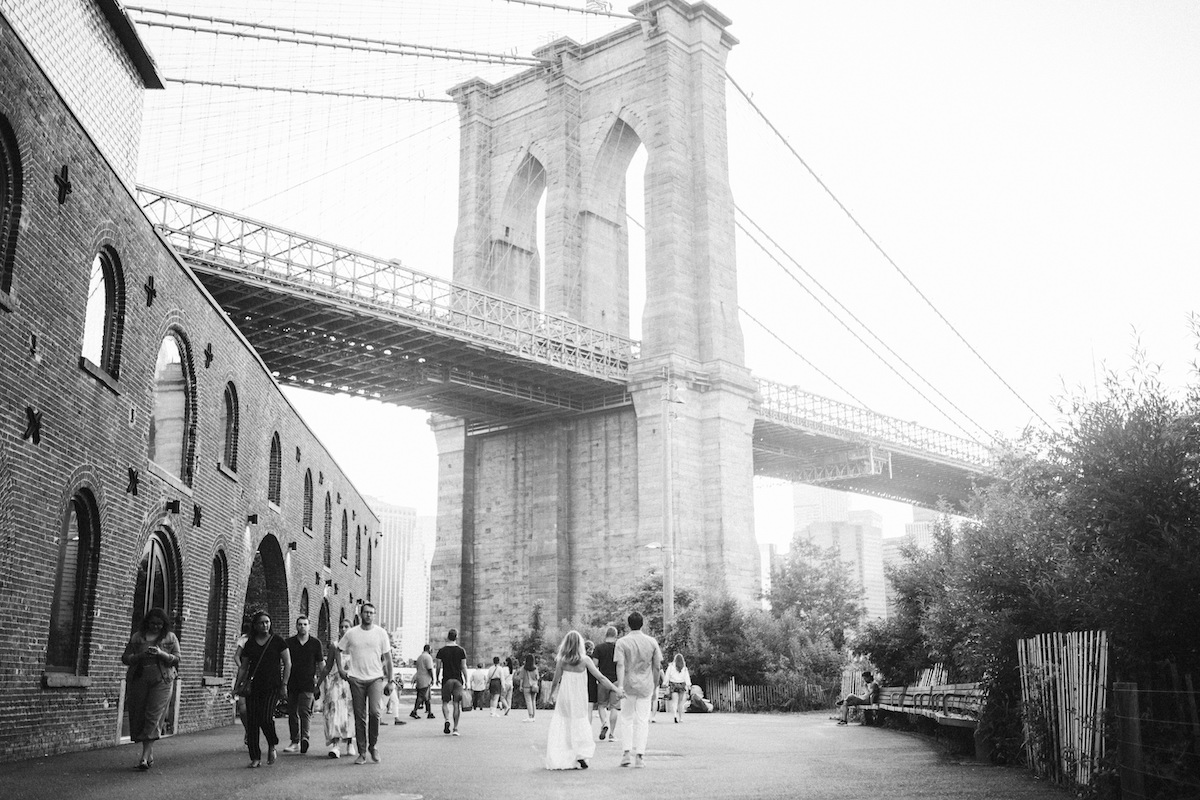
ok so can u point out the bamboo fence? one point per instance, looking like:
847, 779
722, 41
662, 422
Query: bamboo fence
1064, 678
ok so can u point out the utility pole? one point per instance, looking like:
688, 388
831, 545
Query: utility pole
668, 398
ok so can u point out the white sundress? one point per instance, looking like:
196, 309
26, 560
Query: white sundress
570, 735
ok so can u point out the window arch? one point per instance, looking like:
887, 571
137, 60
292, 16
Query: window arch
304, 603
10, 202
323, 623
275, 471
328, 529
357, 548
345, 537
370, 558
158, 581
75, 588
308, 500
230, 424
104, 314
172, 421
218, 606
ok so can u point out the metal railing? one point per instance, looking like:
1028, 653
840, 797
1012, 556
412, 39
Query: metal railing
790, 406
265, 253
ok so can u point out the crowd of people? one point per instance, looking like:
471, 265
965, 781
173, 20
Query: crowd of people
352, 677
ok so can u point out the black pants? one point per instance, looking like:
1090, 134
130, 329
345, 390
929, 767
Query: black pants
260, 711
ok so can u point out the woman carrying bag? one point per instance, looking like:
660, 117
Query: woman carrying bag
152, 656
266, 667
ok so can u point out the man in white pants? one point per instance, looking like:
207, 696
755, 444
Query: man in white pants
638, 662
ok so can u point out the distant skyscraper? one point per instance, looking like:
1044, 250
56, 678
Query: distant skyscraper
416, 588
395, 553
813, 504
859, 542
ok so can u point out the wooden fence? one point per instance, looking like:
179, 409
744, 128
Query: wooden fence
731, 696
1064, 681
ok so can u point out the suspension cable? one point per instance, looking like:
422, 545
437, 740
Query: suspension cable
292, 90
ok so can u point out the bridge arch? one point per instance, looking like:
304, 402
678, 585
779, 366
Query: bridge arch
514, 266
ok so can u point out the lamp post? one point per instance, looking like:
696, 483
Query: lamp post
668, 541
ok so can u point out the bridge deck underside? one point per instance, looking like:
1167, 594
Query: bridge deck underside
800, 456
330, 345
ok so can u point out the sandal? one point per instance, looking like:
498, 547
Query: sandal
142, 765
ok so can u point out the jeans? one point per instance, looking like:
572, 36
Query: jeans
299, 706
635, 723
366, 732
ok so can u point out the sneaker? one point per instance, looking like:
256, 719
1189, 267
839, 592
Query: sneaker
374, 755
334, 752
603, 732
454, 732
360, 760
626, 759
303, 746
398, 721
292, 748
431, 716
446, 729
415, 715
638, 762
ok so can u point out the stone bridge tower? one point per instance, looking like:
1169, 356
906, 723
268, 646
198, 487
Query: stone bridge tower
555, 510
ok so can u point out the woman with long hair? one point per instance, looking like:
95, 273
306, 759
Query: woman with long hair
152, 655
530, 682
266, 667
679, 684
506, 678
338, 703
569, 742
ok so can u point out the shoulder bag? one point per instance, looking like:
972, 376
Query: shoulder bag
243, 689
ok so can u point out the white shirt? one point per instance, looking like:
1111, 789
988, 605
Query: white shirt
364, 650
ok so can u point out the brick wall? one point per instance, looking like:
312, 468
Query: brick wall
92, 433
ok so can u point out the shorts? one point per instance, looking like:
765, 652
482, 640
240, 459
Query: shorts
609, 699
495, 687
451, 690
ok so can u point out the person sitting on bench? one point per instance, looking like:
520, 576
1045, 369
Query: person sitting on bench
869, 697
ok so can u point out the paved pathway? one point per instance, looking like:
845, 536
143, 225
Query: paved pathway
715, 755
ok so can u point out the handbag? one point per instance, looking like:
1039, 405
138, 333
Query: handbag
243, 689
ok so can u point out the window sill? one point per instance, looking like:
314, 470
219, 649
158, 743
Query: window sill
345, 563
274, 507
65, 680
308, 532
358, 572
7, 302
169, 479
227, 472
212, 680
101, 375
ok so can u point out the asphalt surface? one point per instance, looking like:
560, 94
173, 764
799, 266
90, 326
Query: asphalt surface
709, 755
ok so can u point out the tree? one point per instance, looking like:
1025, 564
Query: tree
606, 607
815, 584
533, 641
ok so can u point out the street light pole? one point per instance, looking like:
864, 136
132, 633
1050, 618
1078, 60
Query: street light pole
668, 398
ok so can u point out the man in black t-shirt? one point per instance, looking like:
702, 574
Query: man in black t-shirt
606, 701
452, 673
308, 657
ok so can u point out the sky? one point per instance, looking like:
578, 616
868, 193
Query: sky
1030, 167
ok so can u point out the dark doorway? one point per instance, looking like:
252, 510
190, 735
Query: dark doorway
266, 587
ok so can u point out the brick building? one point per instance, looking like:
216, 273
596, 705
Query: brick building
147, 457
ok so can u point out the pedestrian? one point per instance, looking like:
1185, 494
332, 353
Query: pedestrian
338, 702
369, 651
506, 685
531, 686
308, 657
452, 673
638, 658
589, 647
266, 668
239, 703
478, 687
151, 655
569, 742
495, 684
679, 684
608, 703
422, 681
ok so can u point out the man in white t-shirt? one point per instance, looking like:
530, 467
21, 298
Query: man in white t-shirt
369, 650
639, 661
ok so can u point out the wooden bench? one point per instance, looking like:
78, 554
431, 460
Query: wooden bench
952, 704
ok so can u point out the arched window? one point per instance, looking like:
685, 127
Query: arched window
172, 420
10, 202
104, 314
370, 551
323, 623
328, 529
275, 471
75, 588
229, 424
304, 603
214, 626
345, 537
357, 548
158, 581
308, 500
341, 617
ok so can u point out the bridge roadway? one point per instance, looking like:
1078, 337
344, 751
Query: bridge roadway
335, 320
730, 756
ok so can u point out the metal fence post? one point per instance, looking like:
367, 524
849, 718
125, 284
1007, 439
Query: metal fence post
1129, 743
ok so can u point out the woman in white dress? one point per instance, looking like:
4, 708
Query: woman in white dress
338, 705
679, 683
569, 743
